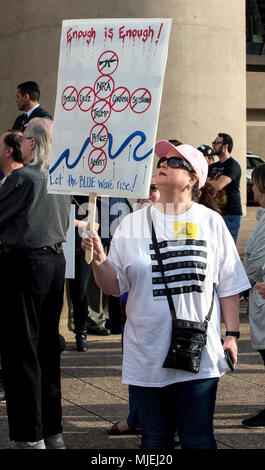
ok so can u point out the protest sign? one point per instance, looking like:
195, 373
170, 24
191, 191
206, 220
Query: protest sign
69, 246
109, 90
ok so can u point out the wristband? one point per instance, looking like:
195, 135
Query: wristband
233, 333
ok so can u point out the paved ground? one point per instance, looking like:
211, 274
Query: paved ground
93, 396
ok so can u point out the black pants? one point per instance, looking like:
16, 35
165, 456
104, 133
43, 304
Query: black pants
78, 291
31, 302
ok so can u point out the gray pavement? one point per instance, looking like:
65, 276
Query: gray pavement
93, 396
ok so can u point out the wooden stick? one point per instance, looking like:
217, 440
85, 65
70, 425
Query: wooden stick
91, 222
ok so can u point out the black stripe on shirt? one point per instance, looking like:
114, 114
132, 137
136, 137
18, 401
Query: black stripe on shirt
179, 242
177, 290
176, 254
179, 277
180, 265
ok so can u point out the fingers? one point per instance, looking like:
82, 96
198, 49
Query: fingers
260, 286
230, 343
89, 237
91, 241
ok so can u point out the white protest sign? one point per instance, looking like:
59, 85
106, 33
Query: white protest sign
109, 90
69, 246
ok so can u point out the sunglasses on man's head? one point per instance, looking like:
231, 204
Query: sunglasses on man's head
175, 162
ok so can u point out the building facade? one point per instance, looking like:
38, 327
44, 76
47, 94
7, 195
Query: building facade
255, 40
205, 82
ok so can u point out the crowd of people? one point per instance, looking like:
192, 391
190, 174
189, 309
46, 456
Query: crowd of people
174, 255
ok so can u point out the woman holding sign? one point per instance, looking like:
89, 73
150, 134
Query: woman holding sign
175, 257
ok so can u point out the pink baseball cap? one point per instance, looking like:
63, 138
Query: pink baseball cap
189, 153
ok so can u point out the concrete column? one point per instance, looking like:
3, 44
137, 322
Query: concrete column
205, 82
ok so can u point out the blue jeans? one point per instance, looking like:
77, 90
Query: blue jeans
233, 223
187, 406
132, 419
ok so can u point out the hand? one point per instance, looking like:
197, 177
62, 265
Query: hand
230, 343
260, 286
91, 240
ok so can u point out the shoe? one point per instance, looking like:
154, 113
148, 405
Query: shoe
115, 430
55, 442
176, 441
256, 422
27, 445
81, 343
101, 330
62, 343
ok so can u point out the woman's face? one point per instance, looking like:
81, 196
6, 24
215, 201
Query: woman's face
180, 178
259, 197
154, 193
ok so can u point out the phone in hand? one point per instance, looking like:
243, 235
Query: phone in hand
229, 360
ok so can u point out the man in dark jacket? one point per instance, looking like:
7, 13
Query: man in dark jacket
27, 99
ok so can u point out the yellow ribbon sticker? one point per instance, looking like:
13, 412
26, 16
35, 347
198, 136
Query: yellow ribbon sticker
185, 230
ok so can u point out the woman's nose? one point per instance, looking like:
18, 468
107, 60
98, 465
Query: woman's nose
164, 164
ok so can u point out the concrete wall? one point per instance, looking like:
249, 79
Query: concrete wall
205, 87
256, 113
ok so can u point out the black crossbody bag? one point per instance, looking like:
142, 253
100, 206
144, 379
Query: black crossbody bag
188, 337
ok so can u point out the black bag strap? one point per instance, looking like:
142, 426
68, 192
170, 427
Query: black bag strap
162, 269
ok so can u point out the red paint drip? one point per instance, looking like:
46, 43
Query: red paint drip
158, 36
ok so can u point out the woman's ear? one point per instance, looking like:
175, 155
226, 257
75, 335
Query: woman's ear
193, 179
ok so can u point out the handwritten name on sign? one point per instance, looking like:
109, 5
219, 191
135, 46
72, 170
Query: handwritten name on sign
109, 90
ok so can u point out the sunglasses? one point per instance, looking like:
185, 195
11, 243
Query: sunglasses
215, 142
175, 162
153, 188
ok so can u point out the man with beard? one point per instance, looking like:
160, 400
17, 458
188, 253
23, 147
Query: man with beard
225, 176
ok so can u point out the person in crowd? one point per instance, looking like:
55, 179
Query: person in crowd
11, 164
84, 318
153, 194
131, 424
208, 152
27, 99
203, 269
254, 261
225, 175
33, 226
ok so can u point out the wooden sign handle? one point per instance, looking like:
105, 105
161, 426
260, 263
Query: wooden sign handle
91, 222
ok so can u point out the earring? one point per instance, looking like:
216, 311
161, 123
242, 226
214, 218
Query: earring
188, 187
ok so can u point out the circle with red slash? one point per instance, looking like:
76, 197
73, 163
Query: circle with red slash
140, 106
119, 106
97, 161
102, 107
86, 98
108, 62
73, 93
104, 86
99, 136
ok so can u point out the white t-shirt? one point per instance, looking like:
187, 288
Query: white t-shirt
198, 251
